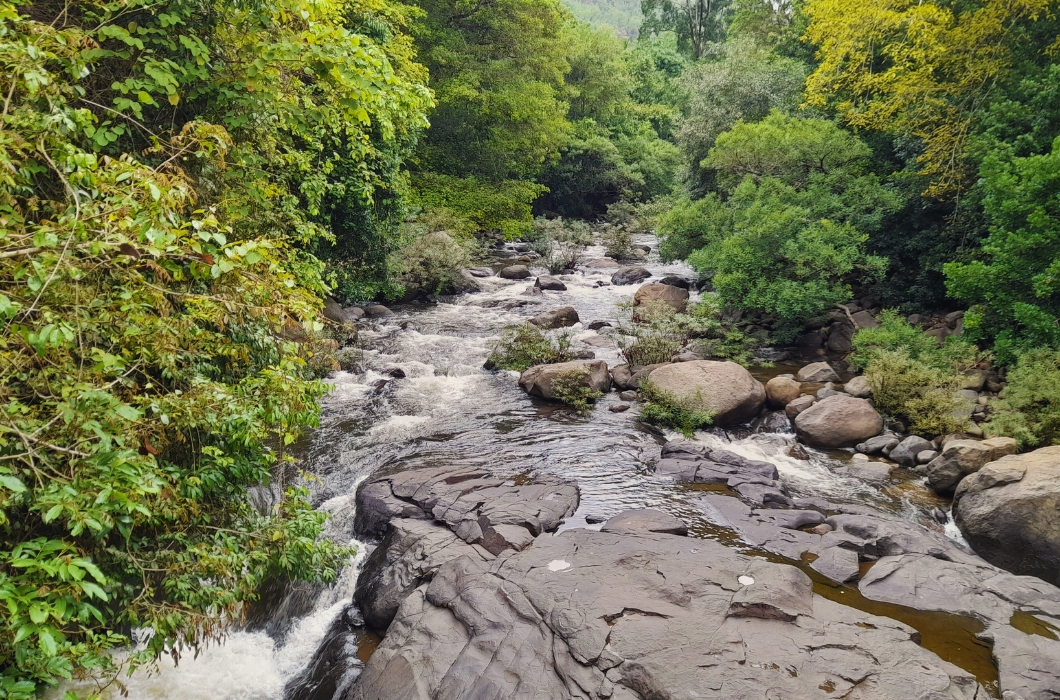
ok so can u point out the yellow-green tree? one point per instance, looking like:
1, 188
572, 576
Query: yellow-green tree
918, 69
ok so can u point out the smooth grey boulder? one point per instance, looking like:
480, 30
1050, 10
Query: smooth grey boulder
557, 318
515, 272
595, 615
1009, 511
377, 311
725, 389
962, 457
644, 520
817, 372
906, 451
628, 378
926, 456
798, 405
480, 271
550, 283
334, 311
881, 444
838, 421
858, 387
538, 380
630, 275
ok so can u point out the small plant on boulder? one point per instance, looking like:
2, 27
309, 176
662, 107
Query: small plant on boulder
572, 388
677, 412
523, 346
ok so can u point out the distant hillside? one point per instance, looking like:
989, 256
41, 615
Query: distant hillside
623, 15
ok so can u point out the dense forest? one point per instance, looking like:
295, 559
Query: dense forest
186, 182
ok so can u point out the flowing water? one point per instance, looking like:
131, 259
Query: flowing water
449, 410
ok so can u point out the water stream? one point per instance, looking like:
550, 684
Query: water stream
447, 409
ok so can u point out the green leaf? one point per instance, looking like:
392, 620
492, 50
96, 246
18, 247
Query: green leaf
12, 483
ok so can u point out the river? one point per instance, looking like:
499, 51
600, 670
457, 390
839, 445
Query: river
447, 409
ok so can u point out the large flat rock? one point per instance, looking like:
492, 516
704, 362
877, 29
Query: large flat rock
599, 615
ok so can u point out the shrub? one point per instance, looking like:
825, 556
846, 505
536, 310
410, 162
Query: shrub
676, 412
523, 346
1029, 407
560, 242
434, 262
659, 332
911, 376
618, 242
571, 387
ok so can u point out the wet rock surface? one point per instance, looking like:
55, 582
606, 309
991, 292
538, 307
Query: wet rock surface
539, 380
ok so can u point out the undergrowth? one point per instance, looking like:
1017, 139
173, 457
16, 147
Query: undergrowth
523, 346
572, 387
680, 413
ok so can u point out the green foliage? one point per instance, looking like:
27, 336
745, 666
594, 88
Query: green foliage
497, 70
696, 23
791, 235
571, 387
676, 412
470, 205
521, 347
912, 377
1014, 283
1029, 407
434, 262
167, 169
623, 16
656, 332
618, 242
741, 81
560, 242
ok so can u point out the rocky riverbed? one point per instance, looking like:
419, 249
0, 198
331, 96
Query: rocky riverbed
511, 548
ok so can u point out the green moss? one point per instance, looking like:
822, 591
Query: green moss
523, 346
678, 412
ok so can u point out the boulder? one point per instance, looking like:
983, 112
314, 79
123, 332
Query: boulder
675, 281
840, 338
334, 311
674, 297
858, 387
629, 378
537, 381
863, 319
1009, 511
377, 311
550, 283
926, 456
960, 458
905, 453
515, 272
798, 405
838, 421
644, 520
480, 271
598, 325
818, 372
780, 391
724, 388
882, 444
602, 264
557, 318
630, 275
828, 390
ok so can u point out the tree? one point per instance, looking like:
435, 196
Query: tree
166, 167
696, 23
920, 69
787, 236
1014, 284
742, 81
497, 70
